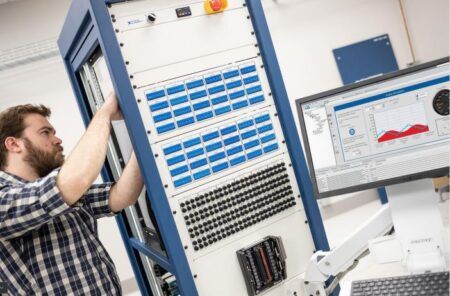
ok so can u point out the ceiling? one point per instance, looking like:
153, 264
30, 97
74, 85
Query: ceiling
6, 1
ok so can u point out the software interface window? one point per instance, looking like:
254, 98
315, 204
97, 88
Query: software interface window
382, 131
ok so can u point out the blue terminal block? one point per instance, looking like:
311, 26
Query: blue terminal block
240, 105
215, 90
222, 110
179, 100
213, 79
257, 99
182, 111
191, 142
165, 128
248, 69
220, 167
195, 84
156, 95
192, 121
237, 160
159, 106
234, 84
175, 89
230, 74
251, 79
172, 149
204, 116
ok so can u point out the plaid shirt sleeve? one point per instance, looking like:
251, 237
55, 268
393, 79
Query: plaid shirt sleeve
97, 200
28, 206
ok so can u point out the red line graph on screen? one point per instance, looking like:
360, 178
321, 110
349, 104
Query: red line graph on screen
401, 122
409, 131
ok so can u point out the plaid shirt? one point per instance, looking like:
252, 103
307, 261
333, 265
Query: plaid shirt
48, 247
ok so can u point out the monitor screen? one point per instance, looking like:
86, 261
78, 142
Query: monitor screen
379, 132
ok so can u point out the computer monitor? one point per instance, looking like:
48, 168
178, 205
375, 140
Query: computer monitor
382, 131
391, 131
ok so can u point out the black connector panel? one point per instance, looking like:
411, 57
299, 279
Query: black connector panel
263, 264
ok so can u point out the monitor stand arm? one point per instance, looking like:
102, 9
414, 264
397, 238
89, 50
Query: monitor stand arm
323, 265
418, 225
413, 210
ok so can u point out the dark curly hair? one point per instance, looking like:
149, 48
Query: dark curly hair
12, 124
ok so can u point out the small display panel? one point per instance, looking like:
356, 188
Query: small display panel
183, 11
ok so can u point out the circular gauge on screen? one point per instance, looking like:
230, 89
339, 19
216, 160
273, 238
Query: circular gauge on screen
440, 102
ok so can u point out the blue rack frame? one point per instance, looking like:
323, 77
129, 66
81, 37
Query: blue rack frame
88, 27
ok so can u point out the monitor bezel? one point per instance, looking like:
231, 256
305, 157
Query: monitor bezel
444, 171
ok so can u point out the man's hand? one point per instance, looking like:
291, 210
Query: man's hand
111, 107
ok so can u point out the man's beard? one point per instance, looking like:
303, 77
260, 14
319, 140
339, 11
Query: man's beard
43, 162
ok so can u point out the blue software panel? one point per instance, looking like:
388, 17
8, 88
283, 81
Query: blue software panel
202, 97
218, 149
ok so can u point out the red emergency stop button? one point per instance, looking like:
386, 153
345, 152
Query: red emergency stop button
214, 6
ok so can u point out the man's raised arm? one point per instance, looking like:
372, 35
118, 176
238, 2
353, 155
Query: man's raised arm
83, 165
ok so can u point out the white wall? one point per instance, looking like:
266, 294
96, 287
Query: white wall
429, 24
27, 21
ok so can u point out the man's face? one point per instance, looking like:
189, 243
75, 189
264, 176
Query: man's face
43, 150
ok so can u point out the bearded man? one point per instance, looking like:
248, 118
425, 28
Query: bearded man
49, 243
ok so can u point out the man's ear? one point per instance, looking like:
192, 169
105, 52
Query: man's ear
13, 144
